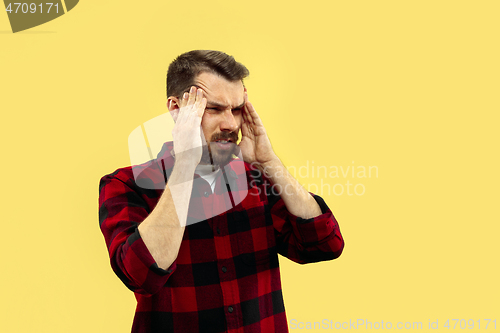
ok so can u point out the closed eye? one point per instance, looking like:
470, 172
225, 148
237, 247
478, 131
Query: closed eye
212, 110
222, 110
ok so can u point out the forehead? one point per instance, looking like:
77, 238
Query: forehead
219, 90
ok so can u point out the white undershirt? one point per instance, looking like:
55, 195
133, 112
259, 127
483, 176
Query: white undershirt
205, 172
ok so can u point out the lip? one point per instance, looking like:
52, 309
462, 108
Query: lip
224, 146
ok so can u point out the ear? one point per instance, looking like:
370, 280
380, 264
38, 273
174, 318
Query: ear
173, 107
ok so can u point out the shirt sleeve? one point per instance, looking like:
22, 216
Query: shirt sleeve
306, 240
121, 210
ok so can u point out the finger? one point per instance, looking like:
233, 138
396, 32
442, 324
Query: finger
200, 103
253, 114
246, 116
183, 109
245, 130
250, 109
183, 100
199, 97
201, 107
192, 96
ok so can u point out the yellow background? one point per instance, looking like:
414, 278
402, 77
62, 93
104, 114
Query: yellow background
411, 87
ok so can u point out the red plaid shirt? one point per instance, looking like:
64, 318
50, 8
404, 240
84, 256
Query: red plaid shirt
226, 276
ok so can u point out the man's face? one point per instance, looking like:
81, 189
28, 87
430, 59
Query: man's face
222, 119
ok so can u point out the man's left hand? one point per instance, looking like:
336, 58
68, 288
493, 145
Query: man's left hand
255, 145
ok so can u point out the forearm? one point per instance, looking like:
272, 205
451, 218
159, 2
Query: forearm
163, 229
297, 200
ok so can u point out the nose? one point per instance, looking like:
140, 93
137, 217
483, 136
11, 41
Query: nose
229, 122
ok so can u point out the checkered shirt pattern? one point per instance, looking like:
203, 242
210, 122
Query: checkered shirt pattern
226, 276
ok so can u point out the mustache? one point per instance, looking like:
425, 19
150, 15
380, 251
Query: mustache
233, 136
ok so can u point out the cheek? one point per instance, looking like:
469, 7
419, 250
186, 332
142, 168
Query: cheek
208, 125
207, 120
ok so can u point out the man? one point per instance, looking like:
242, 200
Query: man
200, 252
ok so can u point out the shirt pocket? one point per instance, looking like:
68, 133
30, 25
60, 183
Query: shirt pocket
255, 237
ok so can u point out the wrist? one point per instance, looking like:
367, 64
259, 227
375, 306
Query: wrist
271, 167
182, 171
271, 160
186, 162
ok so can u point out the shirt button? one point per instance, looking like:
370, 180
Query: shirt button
206, 194
230, 309
218, 230
224, 269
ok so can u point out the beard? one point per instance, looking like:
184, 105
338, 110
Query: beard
220, 156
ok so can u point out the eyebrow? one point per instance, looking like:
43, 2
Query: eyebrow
222, 106
219, 105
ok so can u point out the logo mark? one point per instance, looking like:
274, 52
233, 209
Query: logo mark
26, 15
152, 162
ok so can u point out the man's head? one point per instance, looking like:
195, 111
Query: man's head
221, 79
183, 71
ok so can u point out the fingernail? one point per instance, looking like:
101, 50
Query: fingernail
192, 89
185, 96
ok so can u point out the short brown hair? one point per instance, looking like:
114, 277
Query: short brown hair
186, 67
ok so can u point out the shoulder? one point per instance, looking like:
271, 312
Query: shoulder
123, 175
150, 175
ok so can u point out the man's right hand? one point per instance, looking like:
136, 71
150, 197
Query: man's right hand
163, 229
187, 134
